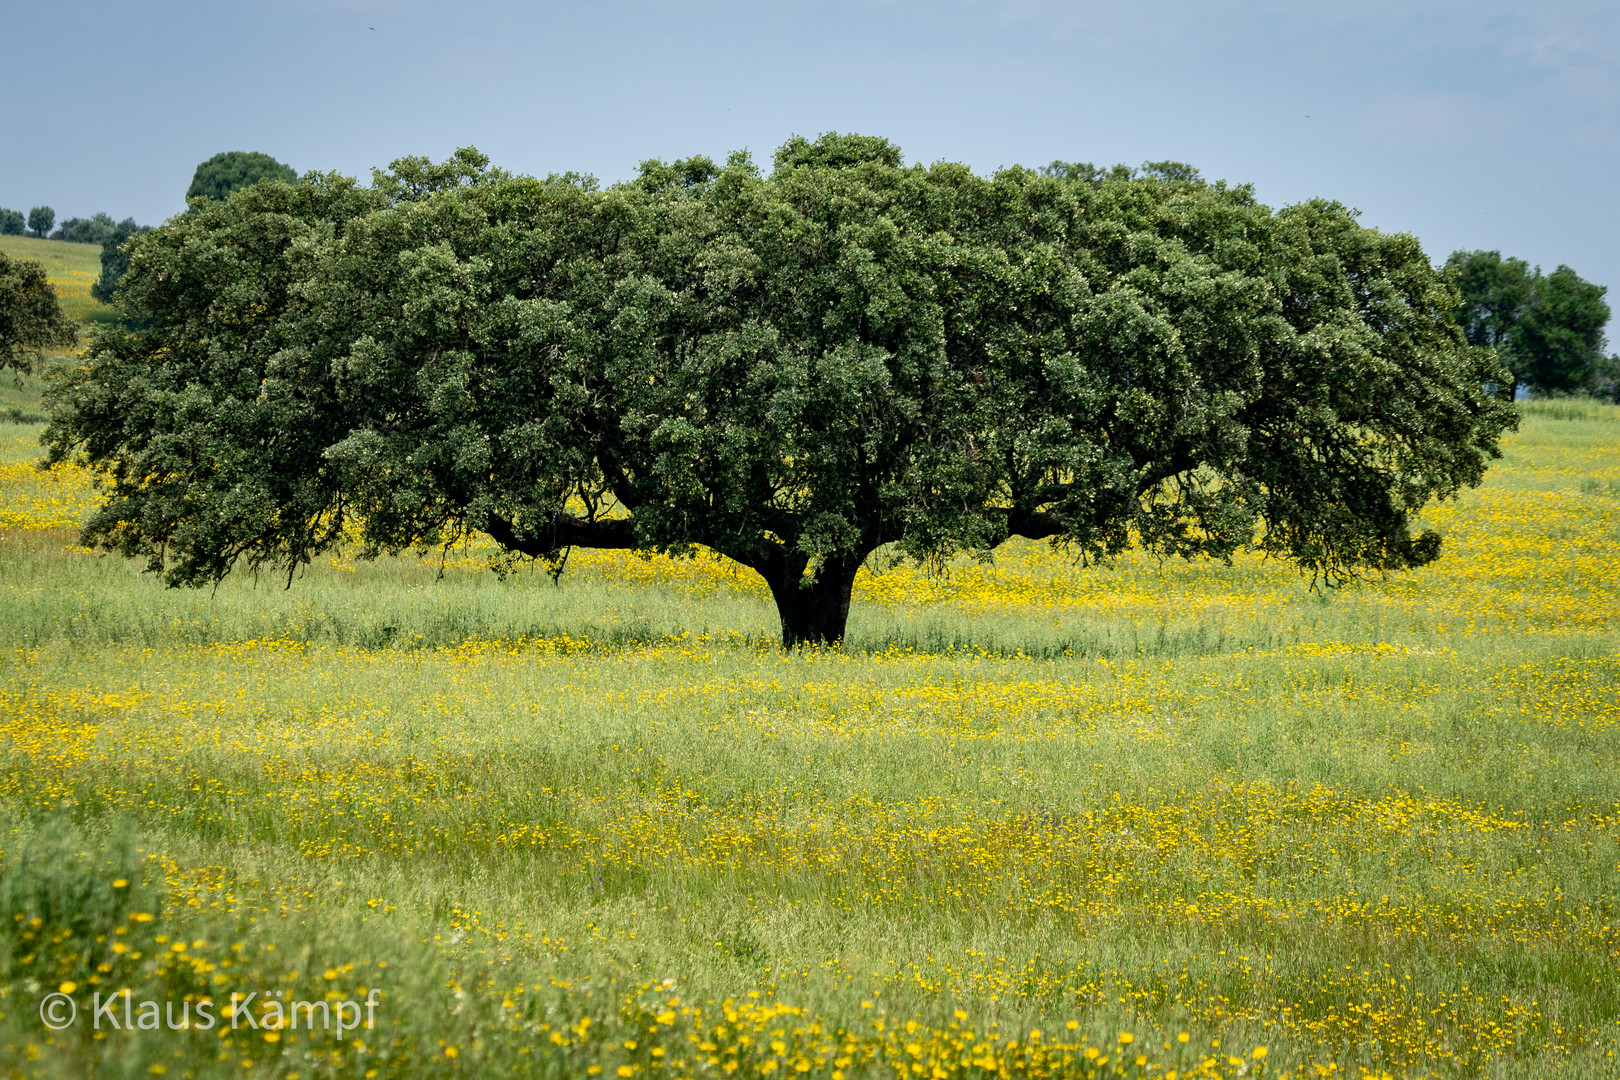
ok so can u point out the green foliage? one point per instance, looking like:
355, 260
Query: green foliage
793, 370
1605, 379
91, 230
1495, 293
40, 220
1094, 175
224, 173
1547, 329
1171, 170
12, 222
115, 258
1561, 335
31, 320
835, 151
71, 270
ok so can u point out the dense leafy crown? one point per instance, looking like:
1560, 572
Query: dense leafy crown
232, 170
791, 369
115, 259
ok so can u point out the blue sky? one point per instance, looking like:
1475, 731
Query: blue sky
1479, 124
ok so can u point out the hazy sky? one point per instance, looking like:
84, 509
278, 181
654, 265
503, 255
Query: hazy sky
1478, 124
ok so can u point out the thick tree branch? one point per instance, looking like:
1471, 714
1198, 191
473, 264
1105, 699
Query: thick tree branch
562, 531
1180, 460
1032, 524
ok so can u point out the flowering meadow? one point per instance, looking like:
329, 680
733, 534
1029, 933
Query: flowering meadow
1035, 819
71, 269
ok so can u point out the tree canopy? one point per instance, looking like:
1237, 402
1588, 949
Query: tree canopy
224, 173
12, 222
31, 318
40, 220
90, 230
791, 369
114, 258
1547, 328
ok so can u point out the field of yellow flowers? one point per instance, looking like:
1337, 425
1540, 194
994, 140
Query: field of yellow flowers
409, 818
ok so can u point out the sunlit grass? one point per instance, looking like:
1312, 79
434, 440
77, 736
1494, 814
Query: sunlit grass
607, 825
71, 268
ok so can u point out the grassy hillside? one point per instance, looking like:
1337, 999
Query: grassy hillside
1147, 820
72, 268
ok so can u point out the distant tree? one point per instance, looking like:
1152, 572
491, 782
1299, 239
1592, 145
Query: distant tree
1560, 337
224, 173
31, 319
1605, 381
1546, 329
1495, 292
91, 230
791, 369
40, 220
115, 258
12, 222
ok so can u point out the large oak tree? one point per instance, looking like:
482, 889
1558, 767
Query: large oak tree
791, 369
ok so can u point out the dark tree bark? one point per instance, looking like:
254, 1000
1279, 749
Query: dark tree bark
562, 531
813, 612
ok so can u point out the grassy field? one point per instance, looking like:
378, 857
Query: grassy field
1149, 820
72, 269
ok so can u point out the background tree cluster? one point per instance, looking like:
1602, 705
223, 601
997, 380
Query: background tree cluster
1548, 329
792, 368
115, 258
215, 178
37, 221
97, 229
31, 317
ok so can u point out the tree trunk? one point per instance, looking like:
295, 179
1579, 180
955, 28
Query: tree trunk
812, 613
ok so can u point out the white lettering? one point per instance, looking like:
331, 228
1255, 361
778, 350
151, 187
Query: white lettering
243, 1010
105, 1009
341, 1026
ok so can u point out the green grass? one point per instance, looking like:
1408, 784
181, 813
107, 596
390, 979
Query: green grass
72, 268
1370, 829
22, 398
